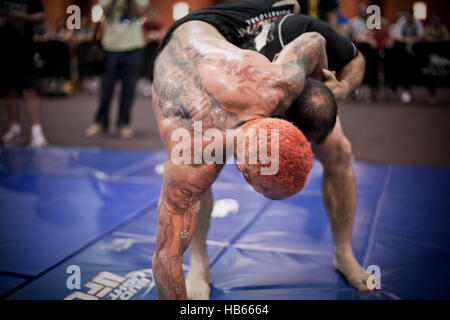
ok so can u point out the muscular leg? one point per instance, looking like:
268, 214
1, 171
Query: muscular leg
339, 197
197, 281
177, 214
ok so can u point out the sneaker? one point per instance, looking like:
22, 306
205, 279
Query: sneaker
13, 136
406, 97
126, 132
37, 137
38, 140
94, 130
145, 88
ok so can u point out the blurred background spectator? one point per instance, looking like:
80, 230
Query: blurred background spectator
357, 25
122, 41
152, 28
18, 73
405, 32
342, 24
435, 33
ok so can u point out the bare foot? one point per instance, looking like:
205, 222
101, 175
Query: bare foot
355, 274
197, 280
197, 287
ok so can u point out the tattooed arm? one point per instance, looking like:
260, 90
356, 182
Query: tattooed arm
177, 213
181, 92
302, 58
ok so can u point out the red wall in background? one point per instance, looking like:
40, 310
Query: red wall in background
165, 8
54, 10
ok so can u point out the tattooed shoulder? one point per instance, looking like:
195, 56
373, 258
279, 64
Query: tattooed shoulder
183, 97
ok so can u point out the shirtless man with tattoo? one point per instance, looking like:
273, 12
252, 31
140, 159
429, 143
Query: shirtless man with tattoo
200, 74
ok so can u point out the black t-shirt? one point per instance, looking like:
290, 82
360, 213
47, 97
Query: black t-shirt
236, 20
20, 32
339, 49
318, 8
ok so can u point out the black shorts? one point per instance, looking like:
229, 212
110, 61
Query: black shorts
19, 72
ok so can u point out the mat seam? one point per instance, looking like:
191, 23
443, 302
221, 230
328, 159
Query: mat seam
376, 216
240, 233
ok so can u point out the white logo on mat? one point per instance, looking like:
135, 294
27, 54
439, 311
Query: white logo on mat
110, 286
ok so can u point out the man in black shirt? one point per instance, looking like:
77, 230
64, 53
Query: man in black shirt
18, 72
338, 189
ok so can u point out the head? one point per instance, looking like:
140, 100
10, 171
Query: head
362, 10
314, 112
409, 15
435, 20
274, 157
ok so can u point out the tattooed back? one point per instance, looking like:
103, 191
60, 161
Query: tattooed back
199, 76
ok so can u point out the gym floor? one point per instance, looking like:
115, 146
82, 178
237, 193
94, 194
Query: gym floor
390, 132
91, 203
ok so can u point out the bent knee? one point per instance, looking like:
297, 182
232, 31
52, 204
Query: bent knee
337, 154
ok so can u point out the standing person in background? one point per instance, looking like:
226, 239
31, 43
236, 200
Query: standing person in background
408, 29
18, 72
326, 10
358, 33
152, 29
436, 32
406, 32
357, 25
342, 24
122, 41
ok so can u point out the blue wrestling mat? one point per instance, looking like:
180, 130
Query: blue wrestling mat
96, 209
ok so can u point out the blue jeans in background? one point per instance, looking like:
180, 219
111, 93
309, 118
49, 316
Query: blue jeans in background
125, 65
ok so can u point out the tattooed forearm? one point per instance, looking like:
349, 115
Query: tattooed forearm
174, 234
181, 92
304, 57
308, 53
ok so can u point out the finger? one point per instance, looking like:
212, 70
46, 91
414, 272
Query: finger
327, 74
330, 84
